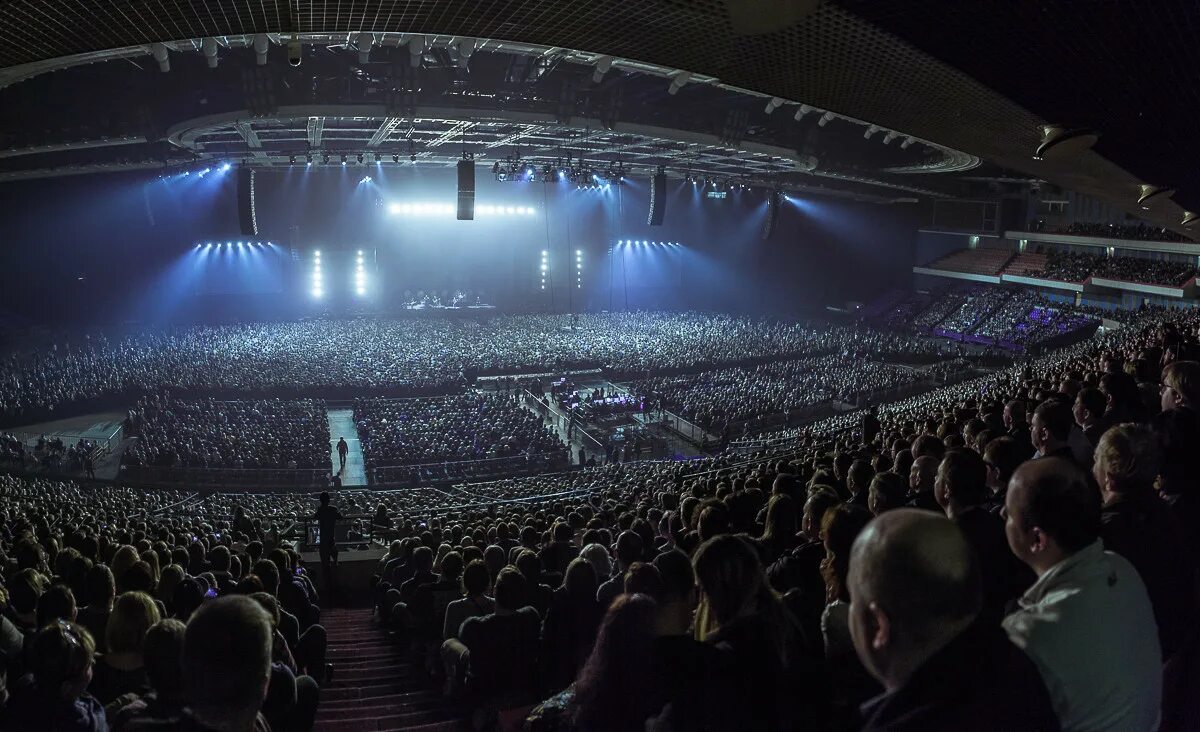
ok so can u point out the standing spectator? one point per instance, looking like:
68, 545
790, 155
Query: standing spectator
1082, 594
914, 599
1138, 525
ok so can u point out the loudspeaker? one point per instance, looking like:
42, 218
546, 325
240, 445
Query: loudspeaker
247, 215
466, 190
658, 199
773, 200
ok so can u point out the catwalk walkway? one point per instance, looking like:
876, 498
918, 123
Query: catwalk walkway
341, 424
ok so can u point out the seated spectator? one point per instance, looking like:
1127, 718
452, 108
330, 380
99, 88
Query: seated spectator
779, 529
920, 482
1138, 525
502, 647
914, 599
1082, 594
227, 665
101, 594
628, 551
475, 601
1002, 456
571, 625
55, 696
888, 491
165, 702
962, 492
740, 614
123, 670
1051, 428
1181, 385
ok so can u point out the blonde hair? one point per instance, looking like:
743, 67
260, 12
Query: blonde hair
132, 615
1184, 378
1130, 454
124, 558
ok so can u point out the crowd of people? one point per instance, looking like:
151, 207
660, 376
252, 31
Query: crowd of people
1065, 267
127, 609
207, 433
1150, 271
473, 426
1016, 551
393, 356
725, 397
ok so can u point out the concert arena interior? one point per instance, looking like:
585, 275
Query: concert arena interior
599, 366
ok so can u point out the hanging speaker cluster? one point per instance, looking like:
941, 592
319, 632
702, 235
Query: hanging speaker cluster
774, 198
466, 190
658, 199
247, 212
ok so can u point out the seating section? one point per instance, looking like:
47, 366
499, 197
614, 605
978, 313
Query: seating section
981, 261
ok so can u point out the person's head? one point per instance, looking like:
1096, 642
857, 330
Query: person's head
163, 653
629, 549
1089, 406
914, 586
961, 481
476, 578
926, 445
1127, 461
511, 589
452, 566
227, 662
1051, 426
677, 601
1052, 512
324, 498
730, 578
580, 580
132, 615
268, 573
888, 490
1014, 415
1002, 456
56, 603
619, 670
1181, 385
61, 657
858, 478
422, 559
841, 526
100, 586
924, 471
781, 518
643, 578
814, 512
1121, 391
597, 555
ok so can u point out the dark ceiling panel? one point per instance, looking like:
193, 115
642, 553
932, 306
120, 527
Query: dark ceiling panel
1130, 70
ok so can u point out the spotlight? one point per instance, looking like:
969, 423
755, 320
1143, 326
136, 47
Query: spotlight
360, 252
317, 253
377, 157
395, 158
291, 159
907, 141
365, 179
343, 160
825, 119
360, 158
308, 158
325, 158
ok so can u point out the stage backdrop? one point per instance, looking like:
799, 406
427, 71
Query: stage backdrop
137, 247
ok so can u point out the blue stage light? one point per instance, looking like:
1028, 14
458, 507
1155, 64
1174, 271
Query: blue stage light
225, 167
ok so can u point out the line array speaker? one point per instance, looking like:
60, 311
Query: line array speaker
466, 190
658, 199
773, 200
247, 213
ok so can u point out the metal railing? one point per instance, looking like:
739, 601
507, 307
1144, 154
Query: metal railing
227, 477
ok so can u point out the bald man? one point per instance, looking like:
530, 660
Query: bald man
914, 601
920, 482
1086, 622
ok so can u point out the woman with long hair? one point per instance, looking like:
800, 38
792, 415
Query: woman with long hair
618, 688
779, 528
571, 623
741, 615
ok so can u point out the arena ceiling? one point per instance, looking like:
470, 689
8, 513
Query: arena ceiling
967, 82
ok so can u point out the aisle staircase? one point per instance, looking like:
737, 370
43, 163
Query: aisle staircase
375, 687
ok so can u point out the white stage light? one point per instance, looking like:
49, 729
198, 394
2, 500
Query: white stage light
510, 210
359, 251
361, 291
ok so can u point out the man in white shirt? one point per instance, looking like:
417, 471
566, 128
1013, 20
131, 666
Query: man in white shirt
1086, 622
